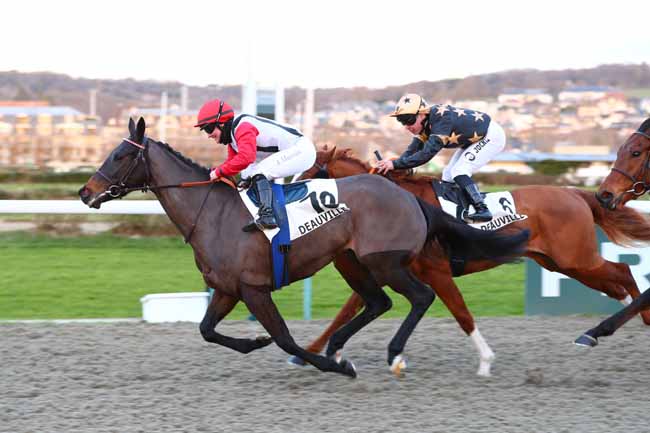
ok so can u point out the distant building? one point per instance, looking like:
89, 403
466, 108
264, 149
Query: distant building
581, 94
521, 97
180, 132
40, 135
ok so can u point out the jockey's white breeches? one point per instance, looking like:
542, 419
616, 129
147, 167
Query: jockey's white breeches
469, 160
287, 162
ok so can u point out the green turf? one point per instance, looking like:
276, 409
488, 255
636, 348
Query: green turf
45, 277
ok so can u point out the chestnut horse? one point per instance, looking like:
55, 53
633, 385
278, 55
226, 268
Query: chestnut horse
563, 239
238, 264
628, 180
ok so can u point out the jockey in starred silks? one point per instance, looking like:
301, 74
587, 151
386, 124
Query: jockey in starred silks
258, 148
477, 137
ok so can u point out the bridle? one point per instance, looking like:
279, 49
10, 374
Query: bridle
639, 187
120, 189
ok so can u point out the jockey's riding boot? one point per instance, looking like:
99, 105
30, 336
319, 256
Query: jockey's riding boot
266, 219
482, 213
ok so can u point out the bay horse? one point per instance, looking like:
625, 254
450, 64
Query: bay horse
561, 222
380, 236
628, 180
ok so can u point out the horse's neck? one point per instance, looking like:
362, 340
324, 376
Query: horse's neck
182, 205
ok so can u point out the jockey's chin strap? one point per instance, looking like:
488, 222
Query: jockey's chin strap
639, 187
119, 189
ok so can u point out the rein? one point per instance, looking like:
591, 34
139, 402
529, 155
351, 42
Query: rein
639, 187
119, 189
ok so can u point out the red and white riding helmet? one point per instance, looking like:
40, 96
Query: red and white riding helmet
214, 111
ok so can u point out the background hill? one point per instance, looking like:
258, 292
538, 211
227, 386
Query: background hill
115, 95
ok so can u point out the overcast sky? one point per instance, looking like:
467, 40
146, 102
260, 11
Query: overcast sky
318, 43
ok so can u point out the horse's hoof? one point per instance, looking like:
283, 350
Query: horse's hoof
484, 369
586, 340
398, 365
348, 368
296, 360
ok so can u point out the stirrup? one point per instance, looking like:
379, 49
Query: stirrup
481, 216
260, 225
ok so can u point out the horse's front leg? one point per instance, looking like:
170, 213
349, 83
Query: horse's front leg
608, 326
259, 302
219, 308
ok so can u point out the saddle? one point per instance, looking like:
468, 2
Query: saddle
452, 192
292, 192
281, 242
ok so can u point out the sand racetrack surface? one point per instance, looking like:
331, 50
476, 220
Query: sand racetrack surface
137, 377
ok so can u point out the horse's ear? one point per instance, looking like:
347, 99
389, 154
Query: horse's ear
131, 128
139, 133
331, 152
324, 148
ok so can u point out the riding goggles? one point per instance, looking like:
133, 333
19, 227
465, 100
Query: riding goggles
210, 127
407, 119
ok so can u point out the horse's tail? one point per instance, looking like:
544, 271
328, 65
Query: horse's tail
459, 239
623, 226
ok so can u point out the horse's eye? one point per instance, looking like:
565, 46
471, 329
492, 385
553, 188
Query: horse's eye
636, 153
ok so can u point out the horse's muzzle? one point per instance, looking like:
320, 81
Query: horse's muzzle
86, 196
606, 199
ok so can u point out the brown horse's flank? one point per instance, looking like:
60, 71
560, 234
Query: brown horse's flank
563, 239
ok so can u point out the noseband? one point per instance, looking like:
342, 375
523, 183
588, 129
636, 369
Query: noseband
639, 187
119, 189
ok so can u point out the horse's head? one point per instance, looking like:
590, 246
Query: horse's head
333, 164
124, 169
630, 176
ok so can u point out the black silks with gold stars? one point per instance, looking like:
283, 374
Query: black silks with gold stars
446, 127
456, 127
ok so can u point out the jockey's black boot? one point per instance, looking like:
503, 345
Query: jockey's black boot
266, 219
482, 213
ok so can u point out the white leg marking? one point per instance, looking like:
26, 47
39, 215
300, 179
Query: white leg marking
399, 364
627, 301
485, 353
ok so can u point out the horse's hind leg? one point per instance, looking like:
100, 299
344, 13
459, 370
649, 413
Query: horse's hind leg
613, 279
608, 326
388, 268
259, 302
437, 275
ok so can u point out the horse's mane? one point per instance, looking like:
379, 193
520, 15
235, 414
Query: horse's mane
183, 158
645, 125
348, 155
403, 176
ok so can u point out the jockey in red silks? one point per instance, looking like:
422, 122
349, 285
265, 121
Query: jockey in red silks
258, 148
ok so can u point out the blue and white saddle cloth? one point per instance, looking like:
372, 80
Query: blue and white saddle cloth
299, 208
